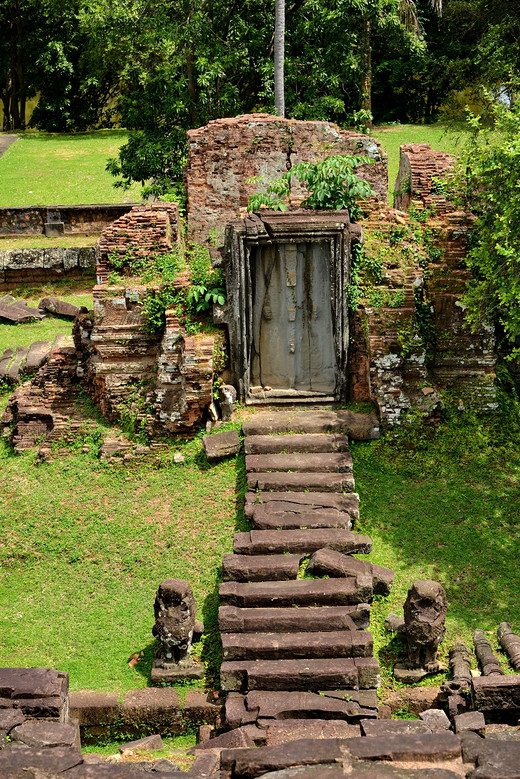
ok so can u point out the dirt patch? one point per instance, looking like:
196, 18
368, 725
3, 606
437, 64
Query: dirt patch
5, 141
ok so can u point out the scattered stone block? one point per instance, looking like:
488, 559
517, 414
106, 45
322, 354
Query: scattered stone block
496, 693
41, 762
220, 445
37, 355
329, 562
407, 747
146, 744
206, 765
383, 727
233, 739
255, 762
36, 692
282, 731
470, 720
436, 720
45, 733
61, 308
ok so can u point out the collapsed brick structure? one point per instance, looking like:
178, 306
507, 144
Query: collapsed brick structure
226, 153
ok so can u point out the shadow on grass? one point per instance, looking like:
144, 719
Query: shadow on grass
212, 647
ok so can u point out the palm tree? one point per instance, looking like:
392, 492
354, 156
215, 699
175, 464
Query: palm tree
279, 44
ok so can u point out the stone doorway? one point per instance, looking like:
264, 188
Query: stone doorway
287, 312
293, 340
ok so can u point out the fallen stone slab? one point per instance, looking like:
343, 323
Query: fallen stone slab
302, 501
12, 366
233, 739
17, 314
301, 592
264, 518
277, 646
145, 744
275, 444
299, 482
329, 562
256, 762
232, 619
37, 355
300, 541
360, 427
122, 770
362, 770
306, 675
324, 462
265, 706
407, 747
220, 445
494, 759
470, 720
16, 762
253, 568
37, 692
205, 766
390, 727
436, 720
61, 308
46, 733
282, 731
496, 693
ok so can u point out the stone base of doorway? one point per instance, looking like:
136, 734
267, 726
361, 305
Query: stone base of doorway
147, 710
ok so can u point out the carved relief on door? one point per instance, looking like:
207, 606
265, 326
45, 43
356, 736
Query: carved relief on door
293, 340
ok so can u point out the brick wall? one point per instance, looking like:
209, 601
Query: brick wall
224, 154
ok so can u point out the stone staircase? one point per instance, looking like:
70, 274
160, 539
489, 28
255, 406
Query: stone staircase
285, 632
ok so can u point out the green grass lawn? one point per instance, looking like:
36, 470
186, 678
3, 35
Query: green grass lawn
85, 545
42, 242
62, 169
75, 292
442, 137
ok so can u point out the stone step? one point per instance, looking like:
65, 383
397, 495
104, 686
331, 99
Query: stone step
302, 501
277, 444
300, 541
300, 482
327, 562
232, 619
259, 568
284, 646
360, 427
308, 462
264, 707
309, 674
264, 518
301, 592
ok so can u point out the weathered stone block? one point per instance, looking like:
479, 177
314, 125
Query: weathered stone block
220, 445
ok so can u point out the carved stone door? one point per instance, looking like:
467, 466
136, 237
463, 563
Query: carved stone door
293, 350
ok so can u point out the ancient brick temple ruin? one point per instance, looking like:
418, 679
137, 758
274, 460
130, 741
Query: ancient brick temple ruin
292, 330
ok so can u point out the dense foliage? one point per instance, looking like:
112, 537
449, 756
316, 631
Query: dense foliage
331, 183
490, 181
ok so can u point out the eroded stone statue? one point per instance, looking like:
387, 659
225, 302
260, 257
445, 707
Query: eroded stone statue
176, 629
423, 627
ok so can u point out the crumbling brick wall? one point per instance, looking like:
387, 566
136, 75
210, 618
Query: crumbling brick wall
456, 360
224, 154
145, 230
421, 169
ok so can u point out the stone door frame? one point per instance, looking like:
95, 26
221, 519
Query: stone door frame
267, 227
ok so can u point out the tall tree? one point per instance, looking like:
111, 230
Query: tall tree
279, 52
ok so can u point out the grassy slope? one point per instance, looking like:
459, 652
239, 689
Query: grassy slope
441, 137
445, 509
85, 547
62, 169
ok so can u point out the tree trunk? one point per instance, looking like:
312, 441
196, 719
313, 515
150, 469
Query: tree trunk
279, 45
366, 71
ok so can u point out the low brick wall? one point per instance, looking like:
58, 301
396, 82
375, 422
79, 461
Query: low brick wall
37, 266
81, 219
